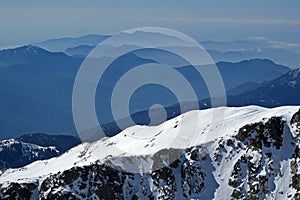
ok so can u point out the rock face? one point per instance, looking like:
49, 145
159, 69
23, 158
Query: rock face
184, 178
258, 168
263, 134
19, 191
260, 160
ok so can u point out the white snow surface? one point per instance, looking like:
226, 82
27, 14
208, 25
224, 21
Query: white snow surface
189, 129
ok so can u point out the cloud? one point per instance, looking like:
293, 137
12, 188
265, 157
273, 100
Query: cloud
235, 20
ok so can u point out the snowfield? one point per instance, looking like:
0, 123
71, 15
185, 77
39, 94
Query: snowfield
207, 128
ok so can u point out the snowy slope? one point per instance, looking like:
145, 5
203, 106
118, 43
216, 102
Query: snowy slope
214, 146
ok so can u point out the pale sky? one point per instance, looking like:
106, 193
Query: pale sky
30, 21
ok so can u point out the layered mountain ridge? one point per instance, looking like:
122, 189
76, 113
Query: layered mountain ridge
33, 76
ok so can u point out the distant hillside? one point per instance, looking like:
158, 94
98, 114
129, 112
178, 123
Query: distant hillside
280, 52
61, 142
36, 87
284, 90
14, 153
61, 44
80, 51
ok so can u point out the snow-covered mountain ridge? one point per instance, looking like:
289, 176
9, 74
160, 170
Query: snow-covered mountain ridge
233, 153
15, 153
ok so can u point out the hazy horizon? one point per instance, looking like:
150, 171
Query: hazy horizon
34, 21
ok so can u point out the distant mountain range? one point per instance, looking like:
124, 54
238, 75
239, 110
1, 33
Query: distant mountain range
36, 87
61, 44
235, 151
280, 52
281, 91
255, 71
79, 51
246, 152
282, 56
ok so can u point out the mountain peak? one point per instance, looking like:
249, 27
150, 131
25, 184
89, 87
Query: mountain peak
28, 54
31, 50
25, 50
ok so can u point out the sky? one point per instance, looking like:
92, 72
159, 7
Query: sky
23, 22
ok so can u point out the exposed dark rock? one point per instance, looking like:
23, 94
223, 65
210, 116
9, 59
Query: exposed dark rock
296, 119
267, 134
18, 191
